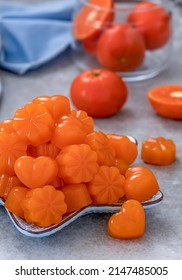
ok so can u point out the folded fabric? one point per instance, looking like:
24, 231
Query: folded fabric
33, 34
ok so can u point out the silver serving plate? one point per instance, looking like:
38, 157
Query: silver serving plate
35, 231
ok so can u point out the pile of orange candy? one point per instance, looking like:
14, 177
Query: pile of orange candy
53, 162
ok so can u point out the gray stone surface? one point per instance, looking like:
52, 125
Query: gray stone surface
87, 237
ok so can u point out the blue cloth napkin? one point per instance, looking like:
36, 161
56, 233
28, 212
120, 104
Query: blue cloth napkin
33, 34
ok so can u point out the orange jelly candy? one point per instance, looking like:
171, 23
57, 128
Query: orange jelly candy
68, 133
57, 105
71, 119
7, 126
124, 148
44, 206
76, 196
11, 147
129, 223
7, 183
122, 165
36, 172
88, 122
14, 200
77, 164
140, 183
107, 185
47, 149
158, 151
33, 123
99, 142
57, 182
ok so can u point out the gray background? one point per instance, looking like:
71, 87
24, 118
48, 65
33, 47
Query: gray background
87, 237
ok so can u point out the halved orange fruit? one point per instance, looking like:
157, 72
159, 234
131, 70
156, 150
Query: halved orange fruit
166, 100
90, 44
91, 18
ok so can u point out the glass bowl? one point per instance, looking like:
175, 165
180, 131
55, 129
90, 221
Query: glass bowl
131, 38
